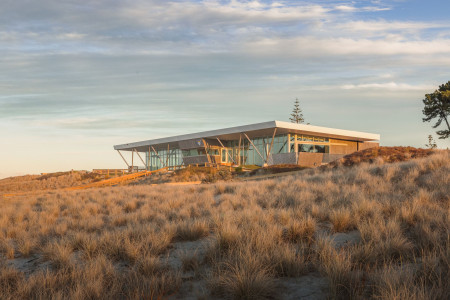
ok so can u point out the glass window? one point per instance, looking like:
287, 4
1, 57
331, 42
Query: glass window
319, 148
224, 155
305, 148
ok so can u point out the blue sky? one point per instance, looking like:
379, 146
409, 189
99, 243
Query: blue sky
77, 77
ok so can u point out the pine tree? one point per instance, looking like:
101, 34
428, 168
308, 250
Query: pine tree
437, 106
296, 115
431, 143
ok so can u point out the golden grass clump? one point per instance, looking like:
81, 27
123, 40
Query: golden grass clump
191, 231
342, 220
245, 278
300, 230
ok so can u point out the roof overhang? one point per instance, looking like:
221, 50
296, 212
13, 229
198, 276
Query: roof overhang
252, 130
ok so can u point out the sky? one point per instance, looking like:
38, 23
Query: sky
77, 77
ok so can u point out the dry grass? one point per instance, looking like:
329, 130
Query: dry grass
191, 231
244, 278
124, 242
50, 181
380, 155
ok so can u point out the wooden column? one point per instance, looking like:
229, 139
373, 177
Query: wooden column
239, 150
288, 143
295, 143
271, 144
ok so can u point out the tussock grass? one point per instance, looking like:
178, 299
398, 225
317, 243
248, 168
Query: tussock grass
191, 231
190, 261
58, 254
119, 242
342, 220
150, 265
245, 278
300, 230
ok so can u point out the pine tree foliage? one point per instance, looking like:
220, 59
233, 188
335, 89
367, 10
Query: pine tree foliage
431, 143
437, 105
297, 115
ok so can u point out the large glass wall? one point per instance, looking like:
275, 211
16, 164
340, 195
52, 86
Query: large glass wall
171, 157
256, 153
245, 153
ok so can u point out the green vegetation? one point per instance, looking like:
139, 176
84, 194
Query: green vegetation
437, 106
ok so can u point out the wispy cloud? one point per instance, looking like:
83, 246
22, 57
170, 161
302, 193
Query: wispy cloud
387, 86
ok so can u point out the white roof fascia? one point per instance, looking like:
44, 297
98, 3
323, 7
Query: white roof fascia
198, 135
253, 127
330, 131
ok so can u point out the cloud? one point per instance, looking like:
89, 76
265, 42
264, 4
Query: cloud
99, 27
311, 46
381, 27
145, 68
392, 86
353, 9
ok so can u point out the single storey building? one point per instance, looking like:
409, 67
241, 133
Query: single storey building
267, 143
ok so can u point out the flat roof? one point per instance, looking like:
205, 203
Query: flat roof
252, 130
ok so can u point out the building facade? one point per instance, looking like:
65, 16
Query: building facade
267, 143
